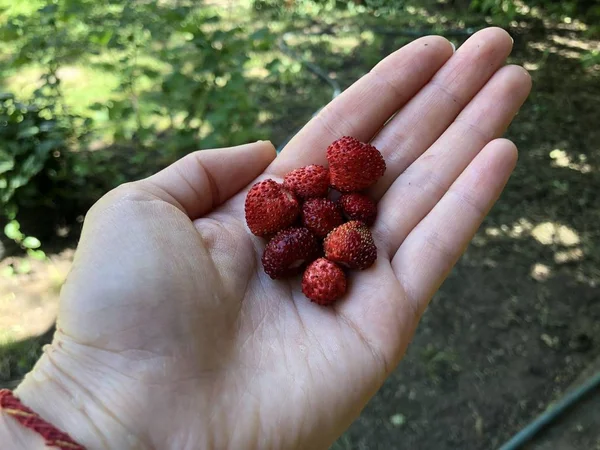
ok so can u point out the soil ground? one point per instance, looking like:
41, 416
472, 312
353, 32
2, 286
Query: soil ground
577, 426
517, 321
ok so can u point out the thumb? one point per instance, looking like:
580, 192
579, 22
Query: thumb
202, 180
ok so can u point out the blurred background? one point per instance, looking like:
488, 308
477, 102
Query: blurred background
94, 93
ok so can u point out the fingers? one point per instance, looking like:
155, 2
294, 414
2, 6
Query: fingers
435, 244
202, 180
422, 185
429, 113
362, 109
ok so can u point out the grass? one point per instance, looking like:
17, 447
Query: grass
13, 8
82, 85
17, 357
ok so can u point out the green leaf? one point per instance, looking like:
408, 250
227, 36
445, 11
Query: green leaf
31, 167
259, 34
36, 254
47, 125
6, 164
10, 211
105, 38
31, 242
8, 271
28, 132
97, 107
24, 267
12, 230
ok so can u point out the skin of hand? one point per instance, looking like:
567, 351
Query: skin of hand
171, 336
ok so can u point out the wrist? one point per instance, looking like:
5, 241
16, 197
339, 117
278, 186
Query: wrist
62, 399
15, 435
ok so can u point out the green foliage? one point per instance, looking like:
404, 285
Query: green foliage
181, 71
179, 81
316, 7
503, 10
18, 357
38, 164
31, 244
588, 11
181, 85
591, 58
34, 147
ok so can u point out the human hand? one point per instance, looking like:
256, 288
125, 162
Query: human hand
169, 333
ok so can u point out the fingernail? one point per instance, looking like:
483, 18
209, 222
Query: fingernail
453, 46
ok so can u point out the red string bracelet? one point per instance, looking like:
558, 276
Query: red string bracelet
11, 405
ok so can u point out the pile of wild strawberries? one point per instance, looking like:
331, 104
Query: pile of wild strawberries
306, 223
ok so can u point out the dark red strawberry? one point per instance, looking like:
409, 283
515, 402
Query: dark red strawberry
321, 216
358, 207
289, 251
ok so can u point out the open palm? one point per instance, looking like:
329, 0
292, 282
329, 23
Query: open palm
170, 335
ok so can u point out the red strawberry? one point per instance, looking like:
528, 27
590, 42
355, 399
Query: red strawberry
354, 165
323, 282
308, 182
321, 216
351, 245
270, 208
289, 251
358, 207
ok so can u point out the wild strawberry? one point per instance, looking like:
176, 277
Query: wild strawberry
289, 251
323, 282
353, 165
308, 182
358, 207
351, 245
321, 216
270, 208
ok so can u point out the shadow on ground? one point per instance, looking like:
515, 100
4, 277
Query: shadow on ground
519, 317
